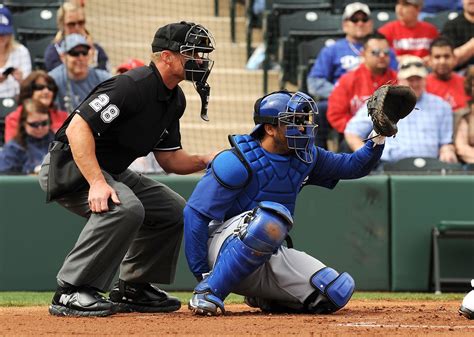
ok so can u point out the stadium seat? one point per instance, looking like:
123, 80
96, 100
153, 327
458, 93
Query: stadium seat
37, 48
307, 53
422, 165
16, 6
339, 5
448, 230
302, 26
271, 28
440, 19
382, 16
34, 23
7, 105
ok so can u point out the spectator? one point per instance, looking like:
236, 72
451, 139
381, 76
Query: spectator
353, 88
40, 87
129, 64
461, 32
433, 7
425, 132
74, 78
335, 60
15, 61
407, 35
464, 138
25, 152
71, 19
443, 82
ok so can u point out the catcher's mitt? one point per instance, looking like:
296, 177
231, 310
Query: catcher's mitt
388, 105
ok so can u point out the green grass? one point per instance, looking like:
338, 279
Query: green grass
23, 299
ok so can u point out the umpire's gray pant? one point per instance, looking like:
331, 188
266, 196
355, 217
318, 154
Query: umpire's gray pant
142, 234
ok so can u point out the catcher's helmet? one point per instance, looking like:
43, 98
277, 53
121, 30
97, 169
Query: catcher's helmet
295, 110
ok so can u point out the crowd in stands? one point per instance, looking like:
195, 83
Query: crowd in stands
74, 65
436, 63
346, 73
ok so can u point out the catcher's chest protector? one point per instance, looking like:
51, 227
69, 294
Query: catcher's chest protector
273, 177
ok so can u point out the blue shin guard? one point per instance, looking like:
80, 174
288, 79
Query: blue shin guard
241, 255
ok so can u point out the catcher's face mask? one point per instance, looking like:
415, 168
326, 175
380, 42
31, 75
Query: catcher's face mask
300, 121
199, 42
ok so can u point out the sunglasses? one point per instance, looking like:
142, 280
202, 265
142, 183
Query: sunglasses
73, 24
377, 52
39, 87
411, 64
355, 20
76, 53
37, 125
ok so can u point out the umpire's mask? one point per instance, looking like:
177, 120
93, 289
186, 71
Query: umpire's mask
194, 42
297, 111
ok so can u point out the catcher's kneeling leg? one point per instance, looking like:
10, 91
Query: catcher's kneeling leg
335, 288
261, 234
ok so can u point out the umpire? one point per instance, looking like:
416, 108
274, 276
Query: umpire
133, 221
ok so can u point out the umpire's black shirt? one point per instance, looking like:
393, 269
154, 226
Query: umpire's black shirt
131, 115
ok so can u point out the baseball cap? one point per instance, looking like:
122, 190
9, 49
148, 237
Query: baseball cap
411, 66
412, 2
129, 64
353, 8
71, 41
6, 24
171, 36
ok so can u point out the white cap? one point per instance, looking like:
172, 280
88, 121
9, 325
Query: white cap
353, 8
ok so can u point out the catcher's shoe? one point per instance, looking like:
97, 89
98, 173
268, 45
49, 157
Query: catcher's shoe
142, 297
206, 304
83, 302
467, 306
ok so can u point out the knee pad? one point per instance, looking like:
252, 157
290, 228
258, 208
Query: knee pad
338, 288
267, 227
262, 233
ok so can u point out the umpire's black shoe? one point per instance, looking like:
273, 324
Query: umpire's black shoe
81, 302
142, 297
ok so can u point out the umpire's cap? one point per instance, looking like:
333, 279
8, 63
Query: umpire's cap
174, 35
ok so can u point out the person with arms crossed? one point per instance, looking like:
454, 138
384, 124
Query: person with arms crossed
133, 221
242, 210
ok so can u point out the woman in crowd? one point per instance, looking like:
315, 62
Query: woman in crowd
15, 61
71, 19
464, 139
24, 153
39, 87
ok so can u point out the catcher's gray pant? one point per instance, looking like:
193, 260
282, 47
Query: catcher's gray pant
142, 234
284, 278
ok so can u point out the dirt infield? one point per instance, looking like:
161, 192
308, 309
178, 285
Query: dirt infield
359, 318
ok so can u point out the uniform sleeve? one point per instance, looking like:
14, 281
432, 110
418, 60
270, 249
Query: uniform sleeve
209, 201
331, 167
322, 66
110, 101
170, 139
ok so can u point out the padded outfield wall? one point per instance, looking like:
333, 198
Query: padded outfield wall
376, 228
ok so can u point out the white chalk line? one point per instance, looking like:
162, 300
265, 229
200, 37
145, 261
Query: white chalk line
404, 326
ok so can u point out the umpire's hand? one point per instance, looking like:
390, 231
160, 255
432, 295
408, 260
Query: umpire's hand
99, 194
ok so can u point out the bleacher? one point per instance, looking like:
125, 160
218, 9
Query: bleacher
293, 31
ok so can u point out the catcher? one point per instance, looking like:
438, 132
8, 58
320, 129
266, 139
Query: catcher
242, 210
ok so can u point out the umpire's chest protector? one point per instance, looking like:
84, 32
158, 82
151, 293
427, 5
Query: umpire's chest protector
273, 177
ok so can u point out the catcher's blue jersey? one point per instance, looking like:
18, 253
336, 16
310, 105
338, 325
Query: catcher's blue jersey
238, 179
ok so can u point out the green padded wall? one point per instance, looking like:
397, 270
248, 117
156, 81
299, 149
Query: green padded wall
418, 204
348, 229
